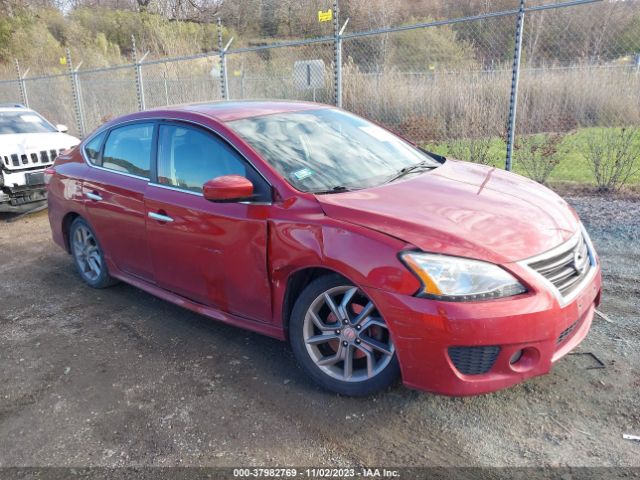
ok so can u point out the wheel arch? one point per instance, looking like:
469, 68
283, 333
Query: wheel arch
296, 283
67, 220
300, 252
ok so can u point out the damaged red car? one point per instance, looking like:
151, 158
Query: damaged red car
374, 259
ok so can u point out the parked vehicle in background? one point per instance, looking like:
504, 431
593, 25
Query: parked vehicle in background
307, 223
28, 145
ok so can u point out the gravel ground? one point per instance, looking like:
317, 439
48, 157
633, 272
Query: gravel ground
118, 377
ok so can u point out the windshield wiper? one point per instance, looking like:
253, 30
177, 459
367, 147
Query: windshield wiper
406, 170
338, 189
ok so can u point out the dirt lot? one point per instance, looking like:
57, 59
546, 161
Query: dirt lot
118, 377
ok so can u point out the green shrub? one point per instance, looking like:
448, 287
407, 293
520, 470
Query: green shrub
614, 156
477, 150
538, 155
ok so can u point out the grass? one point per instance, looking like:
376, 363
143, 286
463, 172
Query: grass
573, 166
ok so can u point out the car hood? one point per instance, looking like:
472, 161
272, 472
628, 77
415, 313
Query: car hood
462, 209
27, 143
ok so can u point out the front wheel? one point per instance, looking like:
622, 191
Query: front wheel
341, 340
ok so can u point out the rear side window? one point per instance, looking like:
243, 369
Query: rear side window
128, 149
92, 148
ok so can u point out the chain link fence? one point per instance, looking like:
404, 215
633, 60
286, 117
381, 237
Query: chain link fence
296, 72
173, 82
452, 85
9, 91
576, 92
105, 95
429, 84
51, 96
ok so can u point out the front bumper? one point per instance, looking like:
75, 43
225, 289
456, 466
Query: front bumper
19, 192
20, 178
534, 325
23, 207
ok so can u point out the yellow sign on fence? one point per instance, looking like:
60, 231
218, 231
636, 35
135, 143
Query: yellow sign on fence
63, 60
325, 16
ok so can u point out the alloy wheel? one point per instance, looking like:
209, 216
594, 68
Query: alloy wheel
345, 335
87, 253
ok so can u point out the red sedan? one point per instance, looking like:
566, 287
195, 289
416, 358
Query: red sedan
373, 258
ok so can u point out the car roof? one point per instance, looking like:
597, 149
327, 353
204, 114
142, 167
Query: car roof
236, 110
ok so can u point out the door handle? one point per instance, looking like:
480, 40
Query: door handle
93, 196
160, 217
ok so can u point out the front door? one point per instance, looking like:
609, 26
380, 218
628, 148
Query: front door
114, 196
212, 253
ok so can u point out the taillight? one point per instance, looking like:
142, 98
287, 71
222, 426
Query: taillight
48, 173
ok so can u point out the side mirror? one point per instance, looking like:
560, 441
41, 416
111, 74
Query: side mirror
228, 188
62, 128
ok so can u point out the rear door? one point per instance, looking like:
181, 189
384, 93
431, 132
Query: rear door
213, 253
114, 196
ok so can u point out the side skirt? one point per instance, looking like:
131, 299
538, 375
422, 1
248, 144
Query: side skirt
234, 320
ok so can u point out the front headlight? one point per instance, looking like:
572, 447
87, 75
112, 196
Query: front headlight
460, 279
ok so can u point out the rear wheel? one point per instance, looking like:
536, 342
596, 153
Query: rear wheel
341, 340
88, 255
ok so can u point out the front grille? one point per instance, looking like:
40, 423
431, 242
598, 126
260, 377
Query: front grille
567, 269
566, 332
473, 360
29, 159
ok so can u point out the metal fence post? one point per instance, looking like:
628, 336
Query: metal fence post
515, 80
224, 87
339, 65
75, 90
337, 55
80, 105
166, 88
23, 85
138, 67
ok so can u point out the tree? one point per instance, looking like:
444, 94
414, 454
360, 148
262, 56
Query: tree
143, 5
429, 49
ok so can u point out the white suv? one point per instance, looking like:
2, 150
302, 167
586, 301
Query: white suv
28, 145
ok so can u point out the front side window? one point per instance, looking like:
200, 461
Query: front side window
329, 150
189, 157
92, 148
128, 149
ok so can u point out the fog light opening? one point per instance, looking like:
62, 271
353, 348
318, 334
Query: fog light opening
515, 358
524, 359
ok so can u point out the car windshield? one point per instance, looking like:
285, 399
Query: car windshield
23, 121
329, 150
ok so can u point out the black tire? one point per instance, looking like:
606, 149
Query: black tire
93, 279
388, 374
